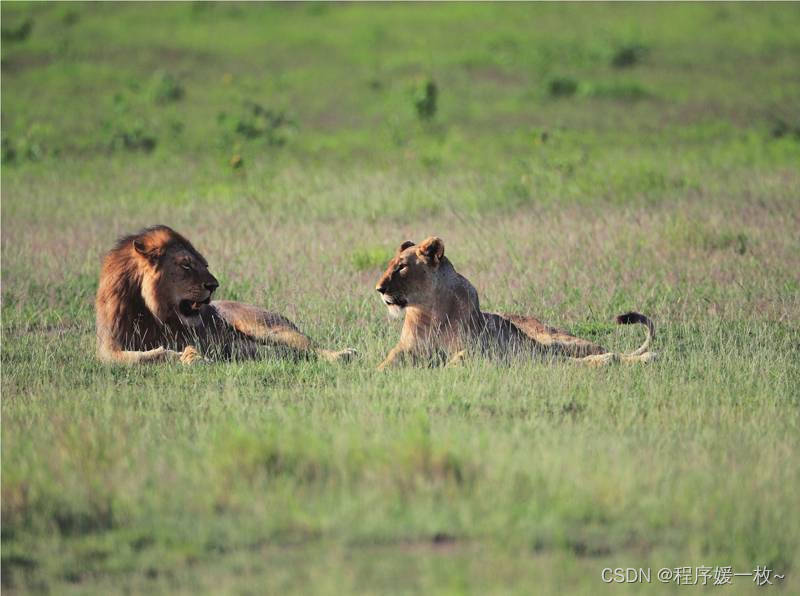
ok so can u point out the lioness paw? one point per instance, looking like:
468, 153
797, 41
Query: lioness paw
598, 359
343, 356
649, 357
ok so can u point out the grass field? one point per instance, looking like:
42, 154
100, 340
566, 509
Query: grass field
579, 160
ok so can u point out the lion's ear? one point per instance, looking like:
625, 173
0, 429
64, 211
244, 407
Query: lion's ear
431, 250
151, 254
405, 245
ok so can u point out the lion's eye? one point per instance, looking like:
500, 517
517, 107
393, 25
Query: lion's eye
402, 268
185, 266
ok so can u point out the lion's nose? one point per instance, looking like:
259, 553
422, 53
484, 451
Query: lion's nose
212, 285
381, 289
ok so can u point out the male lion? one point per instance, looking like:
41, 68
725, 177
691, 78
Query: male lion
154, 304
443, 317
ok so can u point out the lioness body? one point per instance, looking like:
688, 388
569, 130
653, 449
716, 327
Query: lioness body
154, 304
443, 318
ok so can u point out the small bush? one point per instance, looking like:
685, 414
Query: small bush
425, 100
135, 138
562, 87
128, 127
256, 121
165, 88
628, 55
129, 133
18, 33
176, 127
726, 239
70, 18
8, 151
781, 128
29, 145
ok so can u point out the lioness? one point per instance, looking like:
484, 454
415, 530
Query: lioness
443, 317
154, 304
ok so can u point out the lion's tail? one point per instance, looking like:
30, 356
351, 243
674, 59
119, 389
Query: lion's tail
629, 318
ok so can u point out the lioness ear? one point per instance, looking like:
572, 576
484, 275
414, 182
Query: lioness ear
431, 250
405, 245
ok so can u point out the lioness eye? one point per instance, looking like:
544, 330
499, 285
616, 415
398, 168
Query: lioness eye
402, 267
187, 267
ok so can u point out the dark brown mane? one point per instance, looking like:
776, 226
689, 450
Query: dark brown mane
124, 320
169, 239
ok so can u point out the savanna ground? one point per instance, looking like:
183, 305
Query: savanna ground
578, 161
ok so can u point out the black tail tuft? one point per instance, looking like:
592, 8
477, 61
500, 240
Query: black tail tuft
631, 318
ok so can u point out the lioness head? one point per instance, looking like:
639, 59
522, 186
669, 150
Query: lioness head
409, 279
174, 277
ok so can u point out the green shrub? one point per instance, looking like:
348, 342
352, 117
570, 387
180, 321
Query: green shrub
257, 122
628, 55
18, 33
8, 151
165, 88
562, 87
781, 128
135, 138
425, 98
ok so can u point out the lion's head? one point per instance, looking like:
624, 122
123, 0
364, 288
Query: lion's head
173, 277
410, 279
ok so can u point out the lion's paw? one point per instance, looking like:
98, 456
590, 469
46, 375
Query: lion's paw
190, 355
458, 359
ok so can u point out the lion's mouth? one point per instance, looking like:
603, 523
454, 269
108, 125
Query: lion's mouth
392, 301
191, 308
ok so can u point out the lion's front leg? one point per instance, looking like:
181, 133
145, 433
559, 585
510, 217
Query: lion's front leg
284, 336
299, 342
397, 356
160, 354
269, 328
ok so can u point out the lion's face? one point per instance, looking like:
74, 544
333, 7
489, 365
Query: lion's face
189, 282
410, 278
176, 281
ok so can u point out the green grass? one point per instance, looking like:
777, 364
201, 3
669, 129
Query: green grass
662, 178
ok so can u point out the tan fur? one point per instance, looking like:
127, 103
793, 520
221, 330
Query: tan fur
443, 320
153, 305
